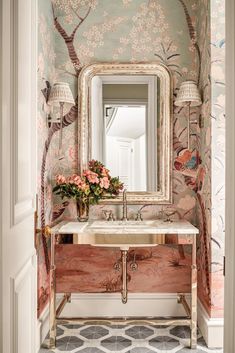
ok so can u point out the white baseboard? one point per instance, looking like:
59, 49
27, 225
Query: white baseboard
212, 329
139, 304
110, 304
42, 327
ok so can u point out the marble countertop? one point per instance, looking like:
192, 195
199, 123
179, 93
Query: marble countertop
130, 227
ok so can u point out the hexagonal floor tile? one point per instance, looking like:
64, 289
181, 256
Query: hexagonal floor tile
189, 350
180, 331
61, 343
90, 350
139, 332
116, 343
59, 331
140, 350
94, 332
74, 342
163, 342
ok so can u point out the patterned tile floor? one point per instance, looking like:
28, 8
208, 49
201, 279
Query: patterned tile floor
125, 339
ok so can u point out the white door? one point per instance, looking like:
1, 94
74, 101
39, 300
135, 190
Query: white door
97, 127
18, 179
125, 153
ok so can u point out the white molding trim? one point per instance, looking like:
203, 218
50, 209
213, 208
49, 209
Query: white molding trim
23, 282
1, 171
22, 206
42, 327
126, 79
229, 304
211, 328
110, 304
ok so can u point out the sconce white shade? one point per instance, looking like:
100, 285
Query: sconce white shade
188, 94
61, 93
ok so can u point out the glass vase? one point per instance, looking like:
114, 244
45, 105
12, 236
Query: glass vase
83, 211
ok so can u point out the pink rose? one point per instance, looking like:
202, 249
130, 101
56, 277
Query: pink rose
104, 172
104, 183
60, 179
77, 180
91, 176
86, 172
84, 187
72, 179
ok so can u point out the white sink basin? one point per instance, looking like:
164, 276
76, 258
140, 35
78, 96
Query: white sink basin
122, 224
124, 234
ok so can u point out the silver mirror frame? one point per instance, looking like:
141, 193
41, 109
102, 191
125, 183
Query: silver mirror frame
164, 193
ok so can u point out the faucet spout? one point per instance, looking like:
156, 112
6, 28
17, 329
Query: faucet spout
124, 206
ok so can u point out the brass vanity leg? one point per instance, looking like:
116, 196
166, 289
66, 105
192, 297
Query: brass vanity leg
124, 276
193, 342
182, 300
52, 340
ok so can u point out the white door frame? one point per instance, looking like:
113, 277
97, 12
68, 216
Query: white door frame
229, 305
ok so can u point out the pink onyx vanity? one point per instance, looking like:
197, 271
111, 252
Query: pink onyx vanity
123, 235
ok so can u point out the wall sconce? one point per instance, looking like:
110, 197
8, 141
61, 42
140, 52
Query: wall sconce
188, 95
61, 96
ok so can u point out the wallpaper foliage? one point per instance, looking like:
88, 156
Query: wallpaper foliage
75, 33
211, 34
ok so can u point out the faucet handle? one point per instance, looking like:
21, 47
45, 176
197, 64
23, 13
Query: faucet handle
111, 216
168, 212
161, 214
108, 215
139, 216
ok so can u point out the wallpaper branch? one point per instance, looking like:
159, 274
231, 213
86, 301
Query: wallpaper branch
193, 36
69, 41
67, 120
128, 32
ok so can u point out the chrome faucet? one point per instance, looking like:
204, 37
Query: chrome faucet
124, 206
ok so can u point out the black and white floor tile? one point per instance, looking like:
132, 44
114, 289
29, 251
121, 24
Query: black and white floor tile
99, 338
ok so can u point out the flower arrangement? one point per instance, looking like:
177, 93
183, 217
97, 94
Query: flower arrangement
93, 184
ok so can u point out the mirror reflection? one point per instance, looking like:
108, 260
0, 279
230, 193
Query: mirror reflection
124, 123
125, 144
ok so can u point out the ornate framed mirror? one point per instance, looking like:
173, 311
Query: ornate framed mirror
125, 115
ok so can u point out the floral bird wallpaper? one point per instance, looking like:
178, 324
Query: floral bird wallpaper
177, 32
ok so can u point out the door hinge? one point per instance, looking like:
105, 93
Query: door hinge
224, 262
